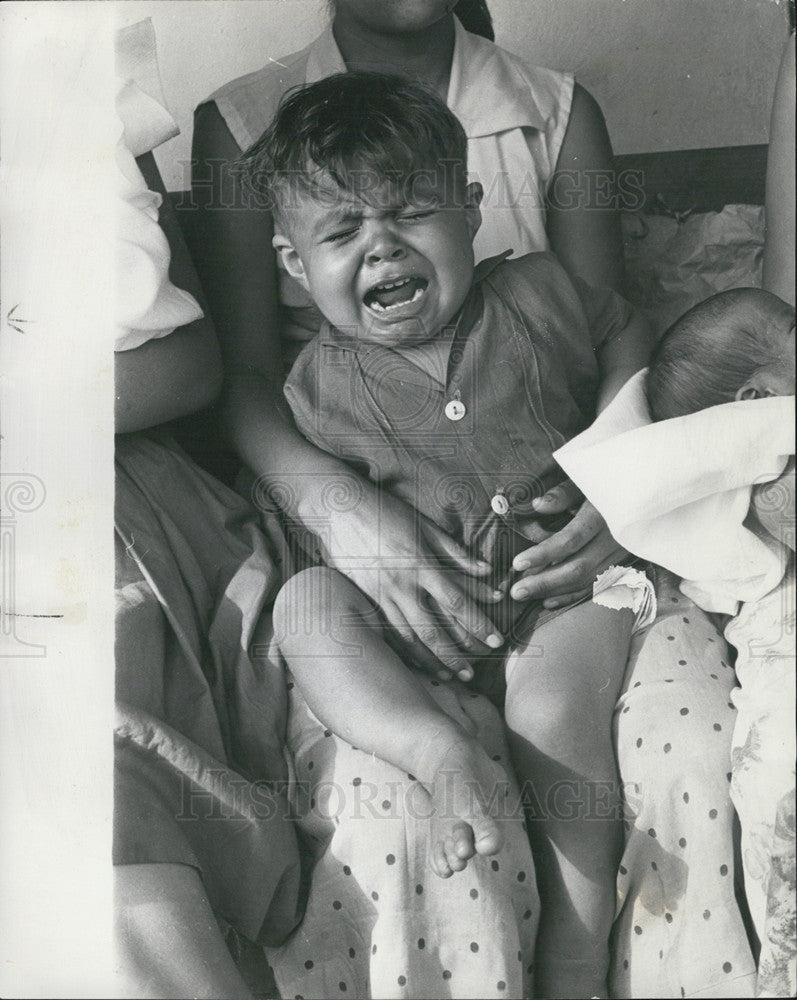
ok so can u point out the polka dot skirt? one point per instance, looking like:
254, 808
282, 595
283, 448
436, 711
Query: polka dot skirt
678, 932
379, 922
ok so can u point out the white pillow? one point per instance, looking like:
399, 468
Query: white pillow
147, 304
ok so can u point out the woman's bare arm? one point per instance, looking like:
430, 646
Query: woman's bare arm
171, 376
562, 566
780, 195
583, 222
584, 231
237, 265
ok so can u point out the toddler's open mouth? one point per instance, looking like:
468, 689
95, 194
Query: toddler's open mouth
390, 295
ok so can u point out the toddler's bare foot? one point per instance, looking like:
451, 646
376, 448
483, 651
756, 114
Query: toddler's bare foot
466, 787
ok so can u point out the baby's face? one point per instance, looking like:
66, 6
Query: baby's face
394, 270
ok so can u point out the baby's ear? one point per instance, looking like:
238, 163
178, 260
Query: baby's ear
748, 391
765, 382
775, 379
291, 260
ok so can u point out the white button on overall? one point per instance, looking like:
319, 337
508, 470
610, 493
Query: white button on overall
455, 409
500, 504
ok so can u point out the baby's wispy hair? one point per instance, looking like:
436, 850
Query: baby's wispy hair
709, 354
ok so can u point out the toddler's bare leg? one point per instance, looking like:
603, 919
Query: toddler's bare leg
334, 643
559, 711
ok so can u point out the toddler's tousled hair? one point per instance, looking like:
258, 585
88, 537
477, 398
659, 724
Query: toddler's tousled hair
708, 354
362, 130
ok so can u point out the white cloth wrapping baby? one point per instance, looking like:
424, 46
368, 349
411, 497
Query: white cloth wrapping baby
677, 492
147, 304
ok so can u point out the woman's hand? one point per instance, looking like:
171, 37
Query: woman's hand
561, 566
424, 583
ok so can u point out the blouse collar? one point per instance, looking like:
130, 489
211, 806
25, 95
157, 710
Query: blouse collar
487, 91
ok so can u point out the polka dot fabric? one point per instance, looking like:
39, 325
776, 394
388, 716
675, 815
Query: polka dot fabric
678, 932
379, 922
399, 931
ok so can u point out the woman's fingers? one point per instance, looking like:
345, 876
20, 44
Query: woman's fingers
559, 499
406, 642
573, 576
469, 647
456, 601
418, 562
452, 552
455, 593
587, 523
571, 560
431, 644
446, 622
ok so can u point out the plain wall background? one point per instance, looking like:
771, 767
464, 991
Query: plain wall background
669, 74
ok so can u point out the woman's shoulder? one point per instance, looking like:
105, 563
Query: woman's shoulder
248, 103
531, 74
512, 78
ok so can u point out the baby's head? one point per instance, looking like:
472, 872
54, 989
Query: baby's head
373, 214
735, 345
